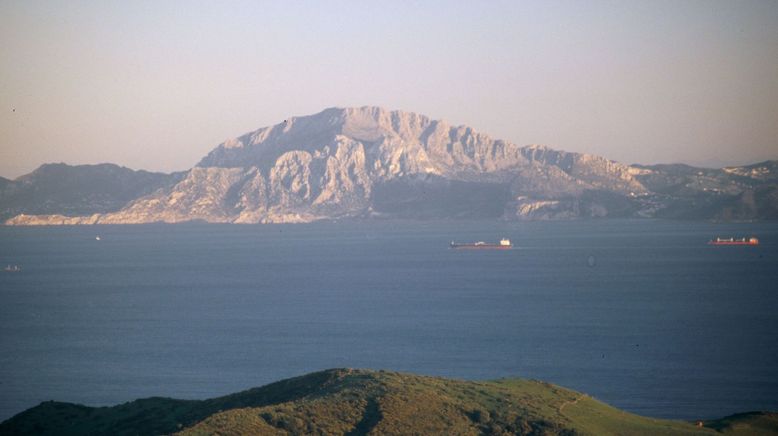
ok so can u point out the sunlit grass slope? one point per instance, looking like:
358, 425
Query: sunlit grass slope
353, 402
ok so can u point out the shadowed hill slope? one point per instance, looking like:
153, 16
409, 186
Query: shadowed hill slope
78, 190
355, 402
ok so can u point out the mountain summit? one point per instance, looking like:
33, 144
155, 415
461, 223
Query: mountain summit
372, 162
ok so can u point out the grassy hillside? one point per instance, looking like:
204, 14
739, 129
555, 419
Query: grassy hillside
354, 402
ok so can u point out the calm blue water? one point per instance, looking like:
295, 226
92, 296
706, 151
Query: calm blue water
662, 324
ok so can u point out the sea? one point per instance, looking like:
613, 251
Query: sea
641, 314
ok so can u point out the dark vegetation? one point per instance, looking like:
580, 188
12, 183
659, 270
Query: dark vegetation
437, 197
742, 193
358, 402
77, 190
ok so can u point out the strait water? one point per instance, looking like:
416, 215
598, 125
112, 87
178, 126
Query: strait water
640, 314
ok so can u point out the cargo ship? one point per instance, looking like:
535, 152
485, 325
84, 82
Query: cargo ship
734, 241
504, 244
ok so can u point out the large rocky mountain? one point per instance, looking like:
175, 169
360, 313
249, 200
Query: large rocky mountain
371, 162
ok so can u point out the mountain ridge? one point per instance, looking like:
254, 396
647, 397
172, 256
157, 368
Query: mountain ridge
372, 162
58, 188
357, 402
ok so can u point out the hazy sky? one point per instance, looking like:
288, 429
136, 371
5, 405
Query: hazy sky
155, 85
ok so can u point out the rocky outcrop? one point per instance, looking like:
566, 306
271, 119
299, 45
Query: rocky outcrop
367, 162
590, 171
51, 220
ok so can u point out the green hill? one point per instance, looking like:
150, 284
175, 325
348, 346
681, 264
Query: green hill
354, 402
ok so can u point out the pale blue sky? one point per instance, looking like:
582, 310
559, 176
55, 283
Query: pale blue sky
155, 85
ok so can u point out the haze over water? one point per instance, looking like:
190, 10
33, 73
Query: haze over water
643, 315
155, 86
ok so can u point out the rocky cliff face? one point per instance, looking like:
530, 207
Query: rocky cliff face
372, 162
393, 143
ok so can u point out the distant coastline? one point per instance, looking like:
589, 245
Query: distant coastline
369, 162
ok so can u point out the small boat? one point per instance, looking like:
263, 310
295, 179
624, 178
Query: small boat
504, 244
734, 241
12, 268
97, 238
